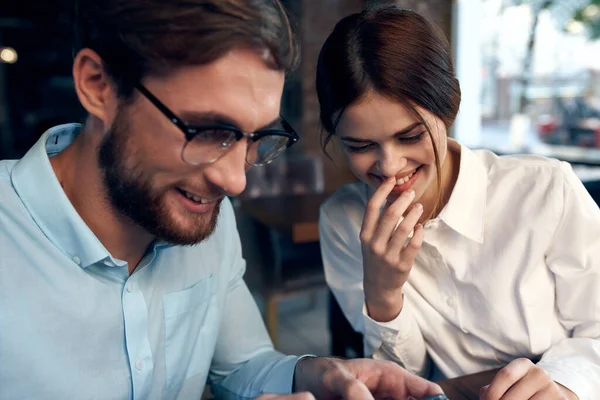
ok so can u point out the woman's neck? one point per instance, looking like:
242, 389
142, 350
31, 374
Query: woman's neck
432, 201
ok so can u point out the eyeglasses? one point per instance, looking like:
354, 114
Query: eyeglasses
205, 144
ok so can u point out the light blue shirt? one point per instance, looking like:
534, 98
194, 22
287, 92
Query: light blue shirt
75, 325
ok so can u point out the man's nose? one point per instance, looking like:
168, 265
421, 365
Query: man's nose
229, 172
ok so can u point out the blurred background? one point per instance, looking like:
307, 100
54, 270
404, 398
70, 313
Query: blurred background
530, 77
529, 71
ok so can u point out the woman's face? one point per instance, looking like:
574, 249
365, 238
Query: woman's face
382, 138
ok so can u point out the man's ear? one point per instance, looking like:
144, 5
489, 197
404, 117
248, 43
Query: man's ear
94, 88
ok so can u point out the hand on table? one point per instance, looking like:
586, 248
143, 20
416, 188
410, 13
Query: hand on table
386, 262
359, 379
523, 380
295, 396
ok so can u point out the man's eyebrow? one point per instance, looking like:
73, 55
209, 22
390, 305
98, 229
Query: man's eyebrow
213, 117
271, 125
207, 118
404, 131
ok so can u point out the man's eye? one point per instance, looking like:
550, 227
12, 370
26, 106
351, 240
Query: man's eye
221, 137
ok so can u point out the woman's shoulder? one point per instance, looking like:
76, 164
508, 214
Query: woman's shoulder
355, 193
349, 200
530, 182
519, 165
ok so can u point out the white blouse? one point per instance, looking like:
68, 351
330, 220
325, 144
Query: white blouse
510, 268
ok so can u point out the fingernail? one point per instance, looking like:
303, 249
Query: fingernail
411, 193
483, 390
419, 207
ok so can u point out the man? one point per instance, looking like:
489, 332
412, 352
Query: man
121, 271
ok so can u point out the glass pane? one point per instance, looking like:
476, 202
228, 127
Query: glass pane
540, 77
266, 149
208, 145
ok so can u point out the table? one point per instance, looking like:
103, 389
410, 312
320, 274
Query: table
294, 215
467, 387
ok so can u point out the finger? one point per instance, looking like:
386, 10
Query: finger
350, 388
408, 254
398, 383
390, 217
507, 377
301, 396
547, 394
535, 380
374, 205
407, 226
419, 387
483, 390
295, 396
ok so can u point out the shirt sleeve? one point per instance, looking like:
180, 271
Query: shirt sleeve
574, 260
245, 365
399, 340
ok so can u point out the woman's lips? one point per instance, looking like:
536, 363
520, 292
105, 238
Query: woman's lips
404, 183
407, 182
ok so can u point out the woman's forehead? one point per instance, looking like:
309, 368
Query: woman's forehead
376, 115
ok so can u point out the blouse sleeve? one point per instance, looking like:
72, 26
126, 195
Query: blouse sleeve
574, 260
399, 340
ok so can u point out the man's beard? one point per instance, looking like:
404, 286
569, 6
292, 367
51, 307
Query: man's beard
132, 195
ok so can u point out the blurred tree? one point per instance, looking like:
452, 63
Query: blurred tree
572, 16
537, 6
589, 17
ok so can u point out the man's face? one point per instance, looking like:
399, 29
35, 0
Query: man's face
140, 156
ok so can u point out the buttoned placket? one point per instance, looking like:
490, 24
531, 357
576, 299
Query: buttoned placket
449, 297
135, 316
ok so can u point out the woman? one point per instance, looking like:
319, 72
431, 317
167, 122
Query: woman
442, 254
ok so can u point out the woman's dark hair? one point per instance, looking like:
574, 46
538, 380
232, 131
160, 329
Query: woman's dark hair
137, 38
395, 53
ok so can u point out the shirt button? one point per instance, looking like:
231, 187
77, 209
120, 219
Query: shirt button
139, 364
129, 287
450, 302
388, 335
77, 260
108, 263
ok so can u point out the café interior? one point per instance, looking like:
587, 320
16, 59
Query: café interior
530, 80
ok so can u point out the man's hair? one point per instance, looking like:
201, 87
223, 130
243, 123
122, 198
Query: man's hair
139, 38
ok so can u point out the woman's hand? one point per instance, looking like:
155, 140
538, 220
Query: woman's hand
386, 262
523, 380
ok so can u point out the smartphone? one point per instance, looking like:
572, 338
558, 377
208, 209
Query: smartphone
435, 397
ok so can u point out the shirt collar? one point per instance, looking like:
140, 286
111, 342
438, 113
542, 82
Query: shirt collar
40, 191
465, 210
